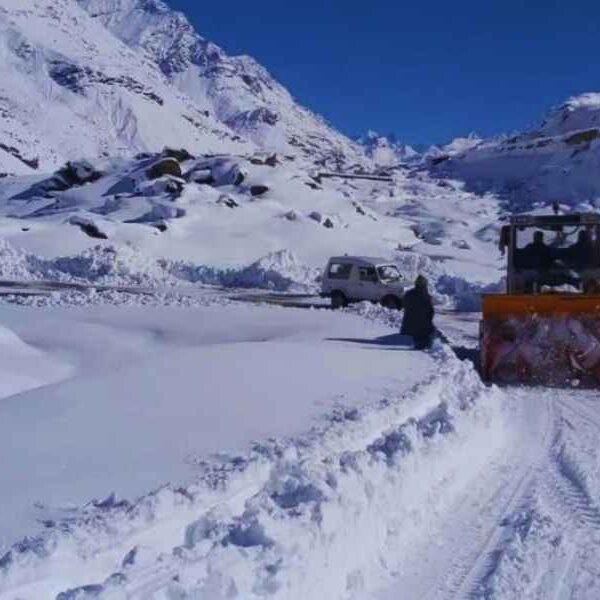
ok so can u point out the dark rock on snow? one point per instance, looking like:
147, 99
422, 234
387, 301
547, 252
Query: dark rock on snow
164, 166
180, 154
258, 190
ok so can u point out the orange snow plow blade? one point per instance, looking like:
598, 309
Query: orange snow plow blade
548, 339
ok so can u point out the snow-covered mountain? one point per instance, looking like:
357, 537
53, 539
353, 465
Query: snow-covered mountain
71, 89
454, 147
236, 90
387, 150
558, 161
133, 76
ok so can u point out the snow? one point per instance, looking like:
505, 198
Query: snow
558, 161
205, 377
23, 367
387, 151
397, 424
212, 232
62, 64
237, 90
165, 435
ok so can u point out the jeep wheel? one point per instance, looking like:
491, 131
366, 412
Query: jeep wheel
392, 302
338, 300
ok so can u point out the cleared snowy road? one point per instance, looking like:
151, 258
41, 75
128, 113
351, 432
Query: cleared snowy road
528, 525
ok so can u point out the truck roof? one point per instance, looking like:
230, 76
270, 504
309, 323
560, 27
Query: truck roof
546, 220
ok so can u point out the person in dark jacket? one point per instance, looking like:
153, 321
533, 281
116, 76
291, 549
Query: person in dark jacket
537, 255
418, 314
581, 254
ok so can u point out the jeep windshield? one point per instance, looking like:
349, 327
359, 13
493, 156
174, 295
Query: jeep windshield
389, 273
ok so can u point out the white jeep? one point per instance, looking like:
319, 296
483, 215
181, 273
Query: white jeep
355, 278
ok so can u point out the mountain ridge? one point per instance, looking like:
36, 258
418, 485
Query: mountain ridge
238, 91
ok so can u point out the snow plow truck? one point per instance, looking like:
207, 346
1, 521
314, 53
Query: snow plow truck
545, 329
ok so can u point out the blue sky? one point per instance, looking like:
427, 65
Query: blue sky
427, 71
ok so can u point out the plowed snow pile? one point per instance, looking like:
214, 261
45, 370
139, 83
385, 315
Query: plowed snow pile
124, 266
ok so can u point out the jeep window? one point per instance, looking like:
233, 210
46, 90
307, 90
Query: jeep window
339, 271
367, 274
389, 273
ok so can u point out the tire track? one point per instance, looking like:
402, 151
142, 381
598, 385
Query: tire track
476, 584
569, 489
484, 536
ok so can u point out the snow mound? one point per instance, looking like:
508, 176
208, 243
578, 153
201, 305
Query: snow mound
280, 271
14, 264
102, 265
450, 291
462, 295
107, 265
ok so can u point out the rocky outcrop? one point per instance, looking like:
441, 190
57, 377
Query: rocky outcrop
73, 174
164, 166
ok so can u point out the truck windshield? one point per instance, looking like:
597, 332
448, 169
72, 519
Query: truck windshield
565, 258
388, 273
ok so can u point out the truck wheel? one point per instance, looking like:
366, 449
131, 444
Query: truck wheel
338, 300
392, 302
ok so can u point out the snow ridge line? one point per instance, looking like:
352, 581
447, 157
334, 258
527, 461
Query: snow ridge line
267, 521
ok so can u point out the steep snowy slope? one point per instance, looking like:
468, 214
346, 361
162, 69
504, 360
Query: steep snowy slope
237, 90
559, 161
226, 212
70, 89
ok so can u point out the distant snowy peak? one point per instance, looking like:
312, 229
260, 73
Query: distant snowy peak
235, 89
70, 89
455, 147
462, 144
578, 112
557, 161
387, 150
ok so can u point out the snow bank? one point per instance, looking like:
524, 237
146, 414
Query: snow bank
125, 266
462, 295
412, 264
280, 271
332, 513
100, 265
14, 264
450, 291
